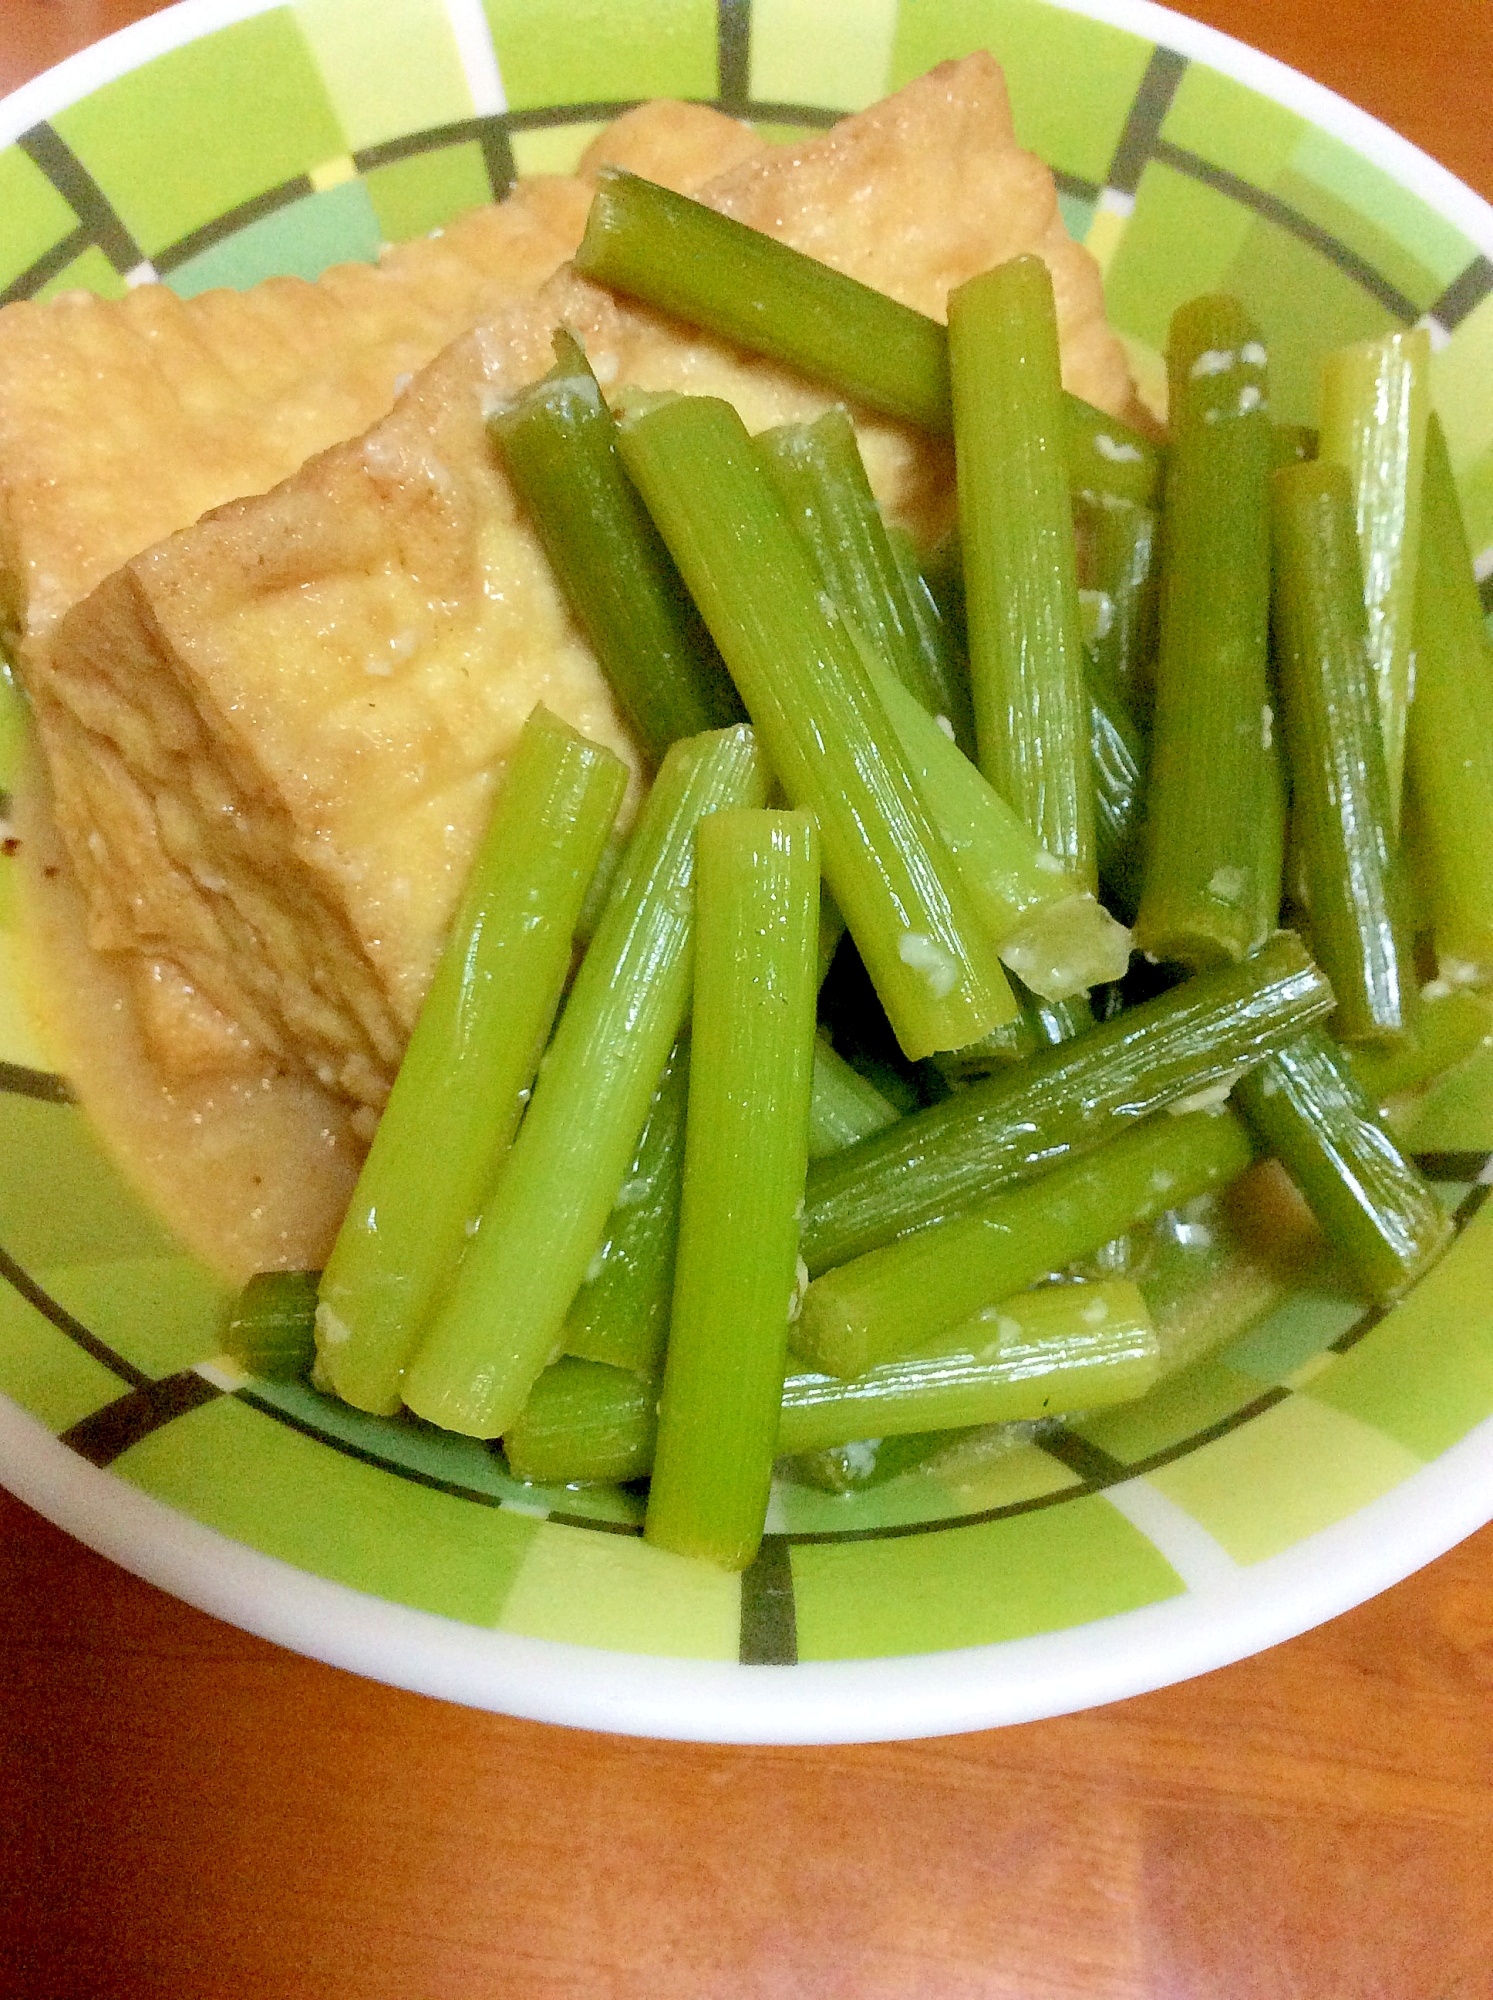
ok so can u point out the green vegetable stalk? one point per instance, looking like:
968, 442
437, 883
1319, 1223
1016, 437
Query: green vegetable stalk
803, 673
1202, 898
746, 1150
504, 1315
1375, 405
470, 1061
1025, 630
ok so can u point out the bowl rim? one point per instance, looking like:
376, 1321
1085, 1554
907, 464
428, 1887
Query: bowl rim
1237, 1613
130, 47
1227, 1612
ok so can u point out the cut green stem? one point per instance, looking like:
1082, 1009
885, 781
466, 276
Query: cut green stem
818, 475
771, 299
503, 1317
746, 1152
1049, 930
1117, 766
1060, 1102
584, 1421
904, 1295
1450, 747
936, 641
717, 273
621, 1312
803, 673
470, 1061
1025, 629
1118, 550
558, 443
1042, 1024
1375, 1207
1451, 1024
1202, 901
1041, 1354
1291, 444
272, 1328
1344, 838
1108, 461
1375, 403
845, 1105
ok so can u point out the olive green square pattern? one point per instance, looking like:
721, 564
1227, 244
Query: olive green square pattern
404, 75
587, 51
45, 1371
260, 1482
36, 216
409, 1446
1400, 264
1207, 1393
337, 226
1220, 121
1179, 242
839, 57
169, 161
1283, 281
619, 1593
1300, 1467
971, 1586
1320, 179
92, 272
70, 1205
411, 197
1072, 80
1424, 1375
1220, 1386
554, 149
1344, 183
160, 1313
1202, 240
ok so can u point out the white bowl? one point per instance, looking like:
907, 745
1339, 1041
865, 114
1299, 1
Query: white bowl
1314, 1461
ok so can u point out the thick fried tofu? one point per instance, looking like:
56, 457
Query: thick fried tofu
122, 420
924, 190
276, 734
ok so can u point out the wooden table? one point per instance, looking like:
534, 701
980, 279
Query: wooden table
188, 1811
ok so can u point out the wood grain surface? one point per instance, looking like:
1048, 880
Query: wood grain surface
187, 1811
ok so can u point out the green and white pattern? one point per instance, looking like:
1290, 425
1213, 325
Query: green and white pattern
220, 143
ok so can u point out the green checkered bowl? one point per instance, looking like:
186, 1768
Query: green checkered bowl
1317, 1459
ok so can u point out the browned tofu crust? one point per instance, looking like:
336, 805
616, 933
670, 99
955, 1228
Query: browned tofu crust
275, 735
122, 420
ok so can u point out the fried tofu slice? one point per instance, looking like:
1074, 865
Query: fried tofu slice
925, 190
275, 736
122, 420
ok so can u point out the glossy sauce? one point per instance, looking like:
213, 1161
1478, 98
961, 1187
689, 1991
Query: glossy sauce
252, 1168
